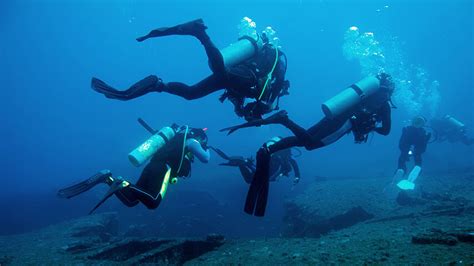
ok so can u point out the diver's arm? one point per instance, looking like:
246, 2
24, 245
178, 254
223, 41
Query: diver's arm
196, 148
386, 114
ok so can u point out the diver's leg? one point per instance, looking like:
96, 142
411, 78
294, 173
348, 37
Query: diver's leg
205, 87
247, 173
326, 132
142, 87
148, 187
256, 200
259, 182
402, 160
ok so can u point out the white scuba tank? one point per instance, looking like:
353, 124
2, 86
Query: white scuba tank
246, 47
272, 141
350, 97
148, 148
454, 122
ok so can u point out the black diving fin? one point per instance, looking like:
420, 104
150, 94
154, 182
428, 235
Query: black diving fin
257, 195
192, 28
142, 87
100, 177
116, 185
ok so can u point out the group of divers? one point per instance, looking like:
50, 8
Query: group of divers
251, 74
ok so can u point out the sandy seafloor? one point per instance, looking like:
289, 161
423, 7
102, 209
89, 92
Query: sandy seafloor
95, 240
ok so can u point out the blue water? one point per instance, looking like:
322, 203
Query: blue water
56, 130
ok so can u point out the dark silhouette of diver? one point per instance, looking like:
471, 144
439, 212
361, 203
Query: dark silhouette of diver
413, 141
281, 164
261, 77
450, 129
173, 160
361, 120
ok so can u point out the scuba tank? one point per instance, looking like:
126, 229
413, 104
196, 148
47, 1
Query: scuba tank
247, 46
272, 141
350, 97
148, 148
454, 122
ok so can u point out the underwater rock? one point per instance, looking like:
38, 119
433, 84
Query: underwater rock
467, 236
318, 210
100, 227
157, 251
6, 260
405, 198
78, 247
434, 236
136, 230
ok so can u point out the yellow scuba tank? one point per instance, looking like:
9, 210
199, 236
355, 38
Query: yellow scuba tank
350, 97
148, 148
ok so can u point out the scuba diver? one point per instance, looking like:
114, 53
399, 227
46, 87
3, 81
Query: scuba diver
413, 141
172, 151
281, 164
251, 68
450, 129
358, 109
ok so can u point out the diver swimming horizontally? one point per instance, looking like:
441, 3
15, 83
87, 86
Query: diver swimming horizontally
171, 152
281, 164
251, 68
358, 109
450, 129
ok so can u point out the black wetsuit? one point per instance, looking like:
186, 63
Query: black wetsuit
240, 82
148, 186
445, 131
327, 130
412, 137
361, 122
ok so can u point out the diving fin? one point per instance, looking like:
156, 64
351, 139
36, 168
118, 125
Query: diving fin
279, 117
100, 177
254, 123
257, 195
193, 28
142, 87
409, 183
406, 185
415, 172
116, 185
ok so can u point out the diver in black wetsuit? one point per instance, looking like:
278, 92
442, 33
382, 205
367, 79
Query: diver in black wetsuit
413, 141
450, 129
281, 164
360, 120
261, 78
172, 161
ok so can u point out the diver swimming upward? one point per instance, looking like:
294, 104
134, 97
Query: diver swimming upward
251, 68
358, 109
172, 151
